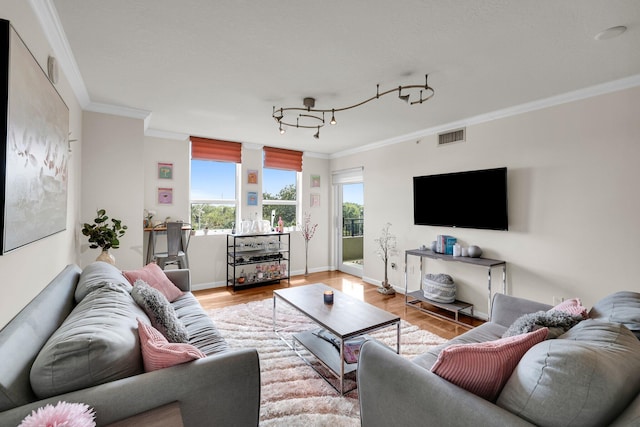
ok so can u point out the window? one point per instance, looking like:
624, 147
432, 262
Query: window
213, 194
214, 175
280, 179
280, 195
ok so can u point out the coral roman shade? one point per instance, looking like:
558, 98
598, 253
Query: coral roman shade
214, 149
279, 158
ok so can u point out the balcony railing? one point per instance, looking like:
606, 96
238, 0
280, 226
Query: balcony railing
352, 227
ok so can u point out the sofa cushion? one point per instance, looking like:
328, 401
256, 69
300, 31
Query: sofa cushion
484, 368
97, 343
97, 275
155, 277
158, 353
202, 331
161, 313
621, 307
585, 377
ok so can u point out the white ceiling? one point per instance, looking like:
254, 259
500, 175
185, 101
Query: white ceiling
217, 68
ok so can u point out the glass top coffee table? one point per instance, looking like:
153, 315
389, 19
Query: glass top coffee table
347, 318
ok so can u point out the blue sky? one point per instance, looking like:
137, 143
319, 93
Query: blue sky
218, 182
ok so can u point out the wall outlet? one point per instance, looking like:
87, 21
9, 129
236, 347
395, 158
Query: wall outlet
557, 300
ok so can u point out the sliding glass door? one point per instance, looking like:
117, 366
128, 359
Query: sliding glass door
349, 214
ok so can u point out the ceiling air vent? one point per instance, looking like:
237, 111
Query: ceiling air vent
451, 136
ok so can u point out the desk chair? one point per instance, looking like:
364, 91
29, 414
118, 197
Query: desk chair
177, 244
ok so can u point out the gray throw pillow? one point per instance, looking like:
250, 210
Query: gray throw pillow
162, 315
558, 323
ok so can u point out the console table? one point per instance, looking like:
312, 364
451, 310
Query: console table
413, 298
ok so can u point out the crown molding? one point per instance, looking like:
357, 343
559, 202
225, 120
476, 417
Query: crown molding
116, 110
47, 15
165, 134
589, 92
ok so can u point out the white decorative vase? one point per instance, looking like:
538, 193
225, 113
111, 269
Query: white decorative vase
474, 251
106, 256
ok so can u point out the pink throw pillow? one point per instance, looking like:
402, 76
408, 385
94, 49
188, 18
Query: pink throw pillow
572, 306
484, 368
158, 353
155, 277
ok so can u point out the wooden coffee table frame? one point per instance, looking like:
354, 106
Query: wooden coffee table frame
346, 318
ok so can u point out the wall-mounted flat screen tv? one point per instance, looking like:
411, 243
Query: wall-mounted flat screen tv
471, 199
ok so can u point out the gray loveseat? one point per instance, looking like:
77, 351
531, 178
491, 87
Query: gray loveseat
589, 376
221, 389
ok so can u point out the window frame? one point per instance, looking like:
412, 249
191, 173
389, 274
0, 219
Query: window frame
297, 202
219, 202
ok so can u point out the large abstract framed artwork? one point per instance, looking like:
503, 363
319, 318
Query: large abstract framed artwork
34, 147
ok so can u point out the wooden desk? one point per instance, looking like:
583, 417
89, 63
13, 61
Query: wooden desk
162, 229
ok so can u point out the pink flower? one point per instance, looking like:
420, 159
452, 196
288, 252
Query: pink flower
308, 230
62, 415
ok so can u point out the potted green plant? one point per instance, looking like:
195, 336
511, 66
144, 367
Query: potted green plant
104, 234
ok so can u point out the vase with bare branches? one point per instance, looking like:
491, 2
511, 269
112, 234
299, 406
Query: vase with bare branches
308, 230
385, 250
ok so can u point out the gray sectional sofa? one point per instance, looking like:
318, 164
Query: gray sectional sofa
106, 371
588, 376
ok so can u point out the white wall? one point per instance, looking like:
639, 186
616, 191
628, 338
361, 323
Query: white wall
26, 271
573, 205
113, 179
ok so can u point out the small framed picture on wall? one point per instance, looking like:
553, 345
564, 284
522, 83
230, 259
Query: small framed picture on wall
252, 198
165, 170
315, 181
165, 196
315, 200
252, 177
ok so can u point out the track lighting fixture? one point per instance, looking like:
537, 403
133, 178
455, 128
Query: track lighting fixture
309, 117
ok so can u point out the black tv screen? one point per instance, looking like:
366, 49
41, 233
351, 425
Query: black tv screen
471, 199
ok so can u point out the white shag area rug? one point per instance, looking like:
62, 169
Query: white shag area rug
293, 394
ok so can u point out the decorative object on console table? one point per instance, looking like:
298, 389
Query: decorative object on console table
308, 231
104, 236
444, 244
474, 251
386, 249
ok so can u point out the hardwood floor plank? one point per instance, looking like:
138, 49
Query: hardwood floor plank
352, 285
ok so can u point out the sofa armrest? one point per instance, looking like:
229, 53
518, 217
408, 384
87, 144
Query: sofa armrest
505, 309
181, 278
223, 389
395, 392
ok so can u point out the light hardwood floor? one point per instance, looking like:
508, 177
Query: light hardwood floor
222, 297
